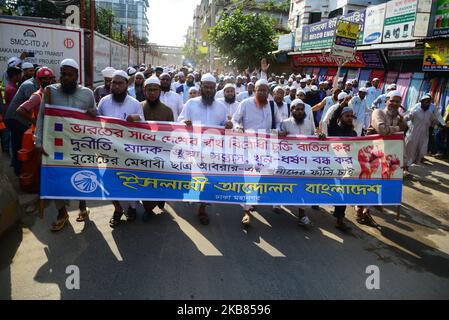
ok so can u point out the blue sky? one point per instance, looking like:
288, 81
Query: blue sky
169, 20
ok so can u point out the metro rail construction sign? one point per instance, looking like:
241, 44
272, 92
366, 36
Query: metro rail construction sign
49, 43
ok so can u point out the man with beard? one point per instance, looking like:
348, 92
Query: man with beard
154, 110
384, 122
246, 94
297, 124
69, 94
170, 98
303, 85
361, 111
119, 104
104, 90
283, 111
183, 90
343, 100
136, 91
254, 114
341, 125
28, 71
206, 111
229, 100
291, 96
239, 86
373, 92
417, 138
193, 93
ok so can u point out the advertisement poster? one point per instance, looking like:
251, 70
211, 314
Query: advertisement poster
441, 24
436, 56
374, 24
320, 35
400, 19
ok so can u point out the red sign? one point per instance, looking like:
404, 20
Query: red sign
325, 60
69, 43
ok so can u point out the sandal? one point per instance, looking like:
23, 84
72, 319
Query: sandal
202, 215
59, 224
83, 215
115, 220
246, 219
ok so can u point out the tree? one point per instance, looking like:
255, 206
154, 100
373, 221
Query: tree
243, 39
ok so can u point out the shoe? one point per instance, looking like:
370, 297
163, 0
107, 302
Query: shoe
83, 215
59, 224
131, 215
116, 219
304, 222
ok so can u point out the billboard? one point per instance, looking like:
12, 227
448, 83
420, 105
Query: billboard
50, 44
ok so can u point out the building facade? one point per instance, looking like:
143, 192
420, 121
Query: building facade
131, 13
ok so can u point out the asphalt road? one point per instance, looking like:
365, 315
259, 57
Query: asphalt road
173, 256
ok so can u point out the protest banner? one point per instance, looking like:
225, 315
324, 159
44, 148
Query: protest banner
106, 158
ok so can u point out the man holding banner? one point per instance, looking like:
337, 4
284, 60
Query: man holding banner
207, 111
119, 104
68, 94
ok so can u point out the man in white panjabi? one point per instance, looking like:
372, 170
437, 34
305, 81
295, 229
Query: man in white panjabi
205, 110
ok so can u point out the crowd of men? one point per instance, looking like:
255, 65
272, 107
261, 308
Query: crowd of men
295, 105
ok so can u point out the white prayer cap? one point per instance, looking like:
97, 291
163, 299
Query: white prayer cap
363, 89
27, 65
229, 85
180, 74
426, 96
193, 89
190, 75
314, 88
239, 77
226, 78
131, 71
208, 77
296, 102
120, 73
107, 72
394, 93
152, 80
14, 61
349, 82
261, 82
308, 77
70, 63
164, 74
392, 86
253, 77
298, 91
292, 88
303, 80
376, 79
140, 74
278, 88
342, 95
